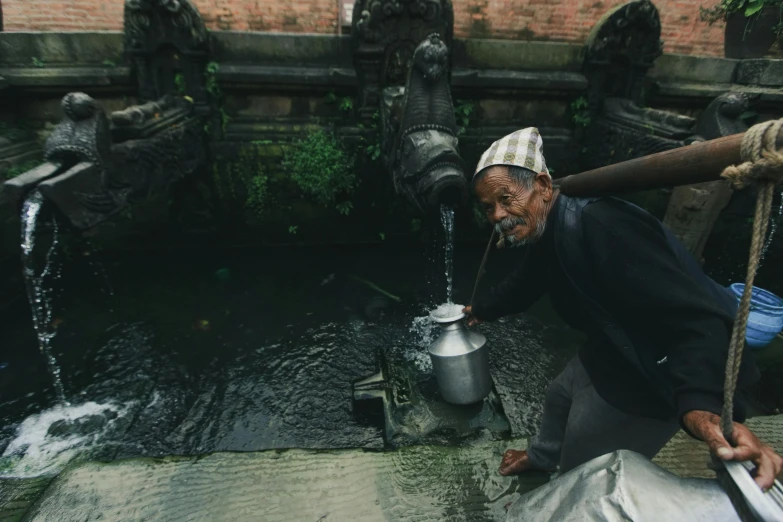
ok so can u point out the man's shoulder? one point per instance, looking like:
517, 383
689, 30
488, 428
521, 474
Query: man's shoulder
618, 215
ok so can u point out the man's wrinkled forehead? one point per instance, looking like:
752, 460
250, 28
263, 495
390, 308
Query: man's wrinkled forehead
495, 180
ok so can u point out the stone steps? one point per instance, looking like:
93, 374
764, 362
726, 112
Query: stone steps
417, 483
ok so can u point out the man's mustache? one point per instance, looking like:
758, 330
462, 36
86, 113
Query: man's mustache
507, 224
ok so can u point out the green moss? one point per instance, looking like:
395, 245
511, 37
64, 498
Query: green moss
462, 112
242, 183
580, 112
180, 86
322, 169
212, 86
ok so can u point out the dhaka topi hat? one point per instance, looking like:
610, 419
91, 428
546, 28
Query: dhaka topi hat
523, 148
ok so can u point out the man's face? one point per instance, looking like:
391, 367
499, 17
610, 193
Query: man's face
517, 213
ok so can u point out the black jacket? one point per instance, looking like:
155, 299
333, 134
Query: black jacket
657, 327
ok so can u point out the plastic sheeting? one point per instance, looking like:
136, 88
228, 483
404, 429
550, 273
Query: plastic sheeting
624, 486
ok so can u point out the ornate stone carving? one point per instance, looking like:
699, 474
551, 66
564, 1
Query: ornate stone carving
164, 38
89, 178
722, 117
624, 131
384, 36
620, 49
420, 132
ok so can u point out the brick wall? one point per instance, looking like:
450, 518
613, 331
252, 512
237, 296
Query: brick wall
572, 20
557, 20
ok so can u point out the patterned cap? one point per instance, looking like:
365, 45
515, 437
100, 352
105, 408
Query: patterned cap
522, 148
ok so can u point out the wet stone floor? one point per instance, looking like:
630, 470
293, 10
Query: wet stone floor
196, 352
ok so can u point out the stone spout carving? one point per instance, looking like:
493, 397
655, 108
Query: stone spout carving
624, 130
621, 48
385, 34
93, 171
694, 209
420, 132
723, 116
163, 39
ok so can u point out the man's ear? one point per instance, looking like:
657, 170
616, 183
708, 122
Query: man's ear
544, 183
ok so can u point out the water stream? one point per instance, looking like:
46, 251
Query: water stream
774, 221
39, 289
447, 219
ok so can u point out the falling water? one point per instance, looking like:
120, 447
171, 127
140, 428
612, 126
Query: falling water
447, 219
774, 221
38, 293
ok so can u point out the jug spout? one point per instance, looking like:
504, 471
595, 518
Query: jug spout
459, 359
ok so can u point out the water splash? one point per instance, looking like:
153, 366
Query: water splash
424, 333
447, 219
47, 441
39, 293
774, 221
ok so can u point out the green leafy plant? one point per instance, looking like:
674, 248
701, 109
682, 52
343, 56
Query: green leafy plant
244, 173
322, 169
748, 8
346, 105
38, 62
330, 98
179, 84
211, 81
373, 151
109, 63
462, 112
382, 236
580, 111
257, 193
293, 229
344, 208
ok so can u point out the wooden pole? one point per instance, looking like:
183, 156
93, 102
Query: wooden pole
697, 163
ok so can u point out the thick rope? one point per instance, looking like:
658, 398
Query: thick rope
763, 165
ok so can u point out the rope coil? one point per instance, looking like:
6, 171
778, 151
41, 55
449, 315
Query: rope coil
762, 165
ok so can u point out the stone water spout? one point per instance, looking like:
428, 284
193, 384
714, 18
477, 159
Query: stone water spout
94, 167
420, 132
96, 164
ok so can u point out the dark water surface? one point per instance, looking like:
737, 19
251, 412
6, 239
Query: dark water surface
240, 350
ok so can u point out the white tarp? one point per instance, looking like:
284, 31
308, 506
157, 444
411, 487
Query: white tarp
620, 487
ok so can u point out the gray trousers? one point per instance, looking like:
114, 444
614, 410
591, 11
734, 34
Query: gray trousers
578, 425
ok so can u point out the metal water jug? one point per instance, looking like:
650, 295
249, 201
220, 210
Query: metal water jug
459, 358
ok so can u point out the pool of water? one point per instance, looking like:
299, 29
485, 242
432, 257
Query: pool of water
239, 350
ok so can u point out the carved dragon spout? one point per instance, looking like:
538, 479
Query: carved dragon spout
93, 171
424, 156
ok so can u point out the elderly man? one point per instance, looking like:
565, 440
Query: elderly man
657, 328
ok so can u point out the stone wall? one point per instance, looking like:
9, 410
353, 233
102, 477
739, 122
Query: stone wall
552, 20
279, 88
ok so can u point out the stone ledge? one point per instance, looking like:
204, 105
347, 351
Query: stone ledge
713, 90
281, 48
688, 68
54, 48
518, 55
71, 77
279, 75
504, 79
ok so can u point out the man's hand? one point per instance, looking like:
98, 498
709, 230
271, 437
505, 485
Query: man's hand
706, 426
472, 320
